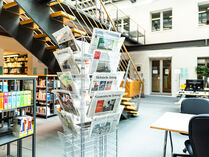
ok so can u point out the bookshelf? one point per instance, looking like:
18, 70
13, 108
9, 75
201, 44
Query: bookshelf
16, 65
16, 94
46, 101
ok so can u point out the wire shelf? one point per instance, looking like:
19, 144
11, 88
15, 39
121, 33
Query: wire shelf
83, 145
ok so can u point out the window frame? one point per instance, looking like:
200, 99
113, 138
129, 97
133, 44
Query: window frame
161, 19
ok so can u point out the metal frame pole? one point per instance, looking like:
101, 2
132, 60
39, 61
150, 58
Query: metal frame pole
34, 116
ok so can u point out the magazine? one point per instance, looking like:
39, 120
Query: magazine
102, 125
68, 103
104, 40
105, 81
65, 38
66, 61
67, 122
68, 82
104, 102
104, 61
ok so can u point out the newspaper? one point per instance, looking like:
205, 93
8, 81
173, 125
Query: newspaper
104, 102
67, 122
67, 80
102, 125
104, 40
66, 61
104, 61
106, 81
65, 38
68, 103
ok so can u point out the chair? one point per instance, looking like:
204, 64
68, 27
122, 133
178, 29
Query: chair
198, 143
195, 106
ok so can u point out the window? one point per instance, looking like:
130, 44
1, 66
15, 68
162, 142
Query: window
155, 22
167, 20
162, 20
204, 14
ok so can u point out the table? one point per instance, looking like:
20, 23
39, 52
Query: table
183, 94
172, 122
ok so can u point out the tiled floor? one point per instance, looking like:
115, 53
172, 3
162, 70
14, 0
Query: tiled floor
136, 138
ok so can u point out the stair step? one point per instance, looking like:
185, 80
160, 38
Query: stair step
38, 36
9, 5
133, 112
25, 22
126, 99
62, 16
53, 3
127, 103
125, 94
130, 108
46, 39
21, 11
77, 31
29, 24
51, 47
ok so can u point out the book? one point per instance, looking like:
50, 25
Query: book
29, 98
13, 95
23, 126
18, 98
1, 101
5, 100
9, 100
22, 96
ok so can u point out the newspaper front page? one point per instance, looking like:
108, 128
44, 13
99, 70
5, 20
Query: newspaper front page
104, 102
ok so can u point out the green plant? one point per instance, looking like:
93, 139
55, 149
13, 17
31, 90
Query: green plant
202, 71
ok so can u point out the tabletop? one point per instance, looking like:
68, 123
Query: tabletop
175, 122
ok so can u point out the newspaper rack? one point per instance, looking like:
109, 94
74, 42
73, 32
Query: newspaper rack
82, 144
100, 146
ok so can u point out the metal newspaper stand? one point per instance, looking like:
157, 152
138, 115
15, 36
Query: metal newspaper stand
82, 145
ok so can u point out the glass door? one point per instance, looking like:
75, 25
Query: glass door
156, 76
166, 76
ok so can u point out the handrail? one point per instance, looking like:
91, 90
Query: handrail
126, 14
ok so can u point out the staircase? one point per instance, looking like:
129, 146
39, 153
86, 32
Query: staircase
32, 24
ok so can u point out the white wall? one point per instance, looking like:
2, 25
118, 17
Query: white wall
185, 19
181, 58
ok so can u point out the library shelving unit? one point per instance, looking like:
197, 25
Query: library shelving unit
45, 100
16, 65
13, 107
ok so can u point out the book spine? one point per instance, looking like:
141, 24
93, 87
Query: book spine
18, 99
5, 100
9, 100
1, 101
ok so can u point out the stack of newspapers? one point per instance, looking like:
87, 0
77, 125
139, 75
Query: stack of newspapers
103, 94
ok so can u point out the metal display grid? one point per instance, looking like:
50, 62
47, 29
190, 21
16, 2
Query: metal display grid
83, 145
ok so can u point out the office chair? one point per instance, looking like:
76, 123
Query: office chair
195, 106
198, 143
